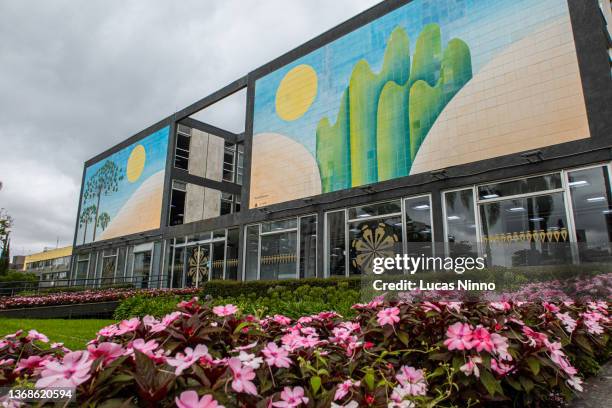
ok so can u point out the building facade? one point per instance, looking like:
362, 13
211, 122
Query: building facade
52, 266
450, 128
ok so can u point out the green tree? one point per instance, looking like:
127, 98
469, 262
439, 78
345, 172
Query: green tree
104, 182
86, 218
103, 220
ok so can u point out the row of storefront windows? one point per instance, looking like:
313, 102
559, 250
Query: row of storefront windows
549, 219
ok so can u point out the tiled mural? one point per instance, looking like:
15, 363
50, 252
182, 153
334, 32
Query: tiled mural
122, 194
430, 85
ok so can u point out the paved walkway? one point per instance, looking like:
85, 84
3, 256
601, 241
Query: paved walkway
597, 391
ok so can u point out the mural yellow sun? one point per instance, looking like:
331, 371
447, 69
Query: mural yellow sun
136, 163
296, 92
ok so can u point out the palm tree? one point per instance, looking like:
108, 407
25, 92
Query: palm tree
103, 220
87, 216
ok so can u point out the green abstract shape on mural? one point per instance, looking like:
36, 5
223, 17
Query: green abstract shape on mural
384, 118
364, 90
427, 55
333, 153
427, 102
393, 133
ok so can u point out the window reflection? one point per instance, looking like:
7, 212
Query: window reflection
460, 223
526, 231
592, 207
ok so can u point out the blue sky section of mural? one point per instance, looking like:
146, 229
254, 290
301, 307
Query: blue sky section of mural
487, 26
155, 147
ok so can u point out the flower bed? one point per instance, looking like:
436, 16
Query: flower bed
88, 296
391, 354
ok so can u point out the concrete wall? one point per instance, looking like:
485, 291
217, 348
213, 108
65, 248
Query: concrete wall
205, 160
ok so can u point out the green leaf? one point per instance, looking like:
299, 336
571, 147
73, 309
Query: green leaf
490, 383
584, 343
526, 383
315, 384
534, 365
403, 337
369, 380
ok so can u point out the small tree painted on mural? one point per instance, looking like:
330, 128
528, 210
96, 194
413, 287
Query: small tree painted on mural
86, 218
103, 220
104, 182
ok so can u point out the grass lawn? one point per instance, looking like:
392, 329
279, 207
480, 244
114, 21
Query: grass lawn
74, 333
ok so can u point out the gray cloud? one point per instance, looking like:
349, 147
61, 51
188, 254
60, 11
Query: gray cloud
78, 77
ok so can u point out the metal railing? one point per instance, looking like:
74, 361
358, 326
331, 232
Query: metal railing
69, 285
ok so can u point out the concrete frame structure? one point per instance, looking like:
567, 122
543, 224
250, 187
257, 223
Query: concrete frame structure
592, 43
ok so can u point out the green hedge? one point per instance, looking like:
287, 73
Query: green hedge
221, 288
294, 299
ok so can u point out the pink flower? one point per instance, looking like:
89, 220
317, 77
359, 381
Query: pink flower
127, 326
193, 303
500, 368
550, 307
500, 346
344, 388
226, 310
282, 320
107, 351
534, 338
559, 358
189, 399
250, 360
471, 367
34, 335
108, 331
68, 373
389, 315
502, 306
32, 363
428, 307
291, 398
576, 383
481, 339
242, 377
183, 361
459, 337
276, 356
6, 361
412, 380
568, 322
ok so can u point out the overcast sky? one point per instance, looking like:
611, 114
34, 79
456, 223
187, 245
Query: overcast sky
77, 77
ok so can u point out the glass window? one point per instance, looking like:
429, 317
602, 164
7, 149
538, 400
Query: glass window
218, 259
183, 140
198, 265
231, 261
336, 243
308, 246
273, 226
526, 231
177, 203
81, 269
419, 229
226, 203
460, 223
373, 210
278, 255
592, 207
252, 252
142, 269
373, 238
228, 164
109, 265
522, 186
178, 267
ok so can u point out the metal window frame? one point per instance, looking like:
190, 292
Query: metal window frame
445, 219
431, 222
299, 242
326, 272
